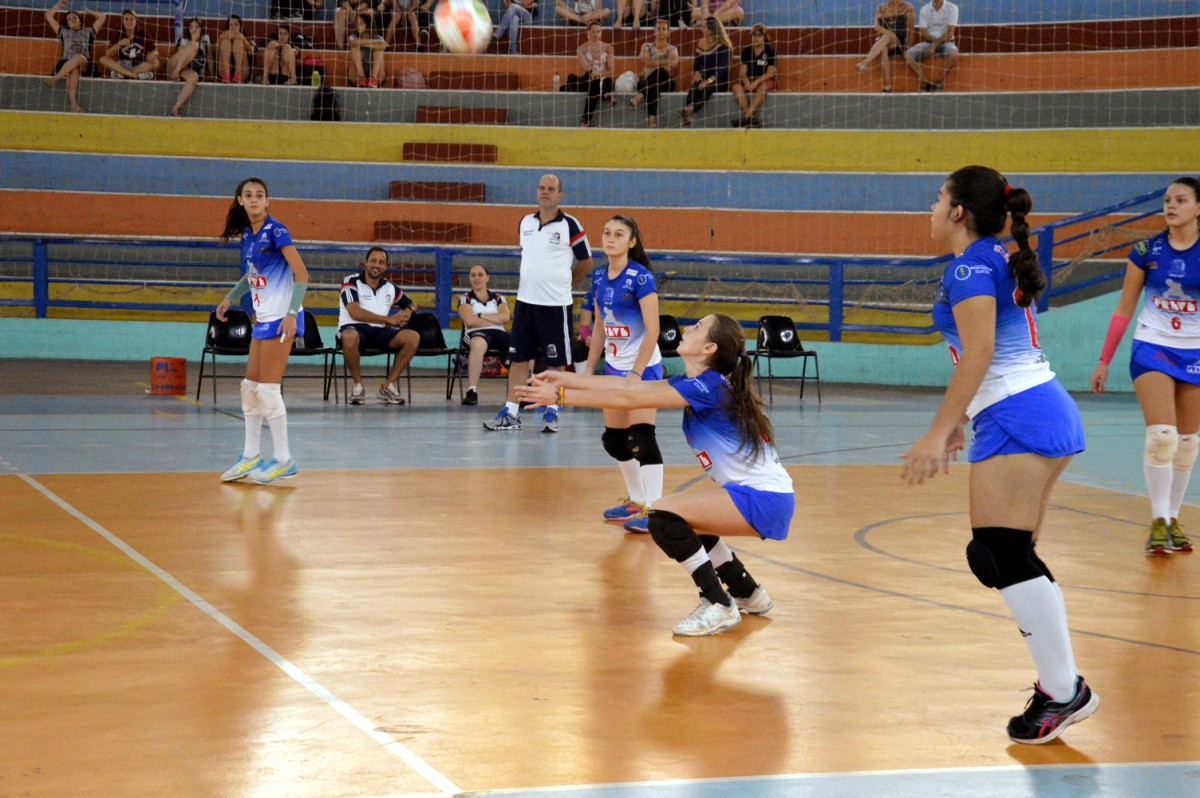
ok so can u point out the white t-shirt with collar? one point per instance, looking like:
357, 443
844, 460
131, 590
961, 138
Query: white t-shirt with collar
548, 255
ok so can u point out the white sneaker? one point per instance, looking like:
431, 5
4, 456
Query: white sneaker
358, 395
708, 619
758, 603
389, 394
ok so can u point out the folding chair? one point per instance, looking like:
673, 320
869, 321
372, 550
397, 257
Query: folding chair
230, 338
777, 338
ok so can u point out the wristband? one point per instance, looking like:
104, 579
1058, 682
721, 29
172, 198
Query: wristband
1116, 331
298, 290
562, 396
239, 289
585, 331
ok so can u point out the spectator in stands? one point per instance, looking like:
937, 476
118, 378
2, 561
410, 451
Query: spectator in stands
345, 19
234, 51
630, 11
710, 68
660, 59
756, 77
367, 67
596, 59
675, 12
894, 22
77, 41
581, 12
279, 59
312, 8
730, 12
516, 14
133, 56
937, 22
416, 16
484, 314
189, 61
374, 312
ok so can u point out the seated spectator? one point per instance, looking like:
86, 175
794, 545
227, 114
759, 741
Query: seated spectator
630, 11
596, 64
516, 14
659, 60
133, 56
756, 77
296, 9
367, 67
345, 19
75, 60
675, 12
234, 51
937, 22
416, 15
373, 315
710, 68
279, 59
730, 12
894, 24
484, 314
189, 61
581, 12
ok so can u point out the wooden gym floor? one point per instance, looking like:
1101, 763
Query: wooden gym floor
430, 609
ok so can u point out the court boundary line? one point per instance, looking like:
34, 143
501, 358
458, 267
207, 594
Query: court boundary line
386, 741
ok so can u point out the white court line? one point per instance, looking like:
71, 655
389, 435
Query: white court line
388, 742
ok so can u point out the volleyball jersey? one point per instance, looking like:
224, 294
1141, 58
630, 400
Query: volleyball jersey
1017, 360
716, 440
616, 303
1169, 307
270, 275
492, 305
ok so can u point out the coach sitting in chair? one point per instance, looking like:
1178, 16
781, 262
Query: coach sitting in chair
373, 314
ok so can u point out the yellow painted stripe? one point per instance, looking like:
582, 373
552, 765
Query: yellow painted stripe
1027, 151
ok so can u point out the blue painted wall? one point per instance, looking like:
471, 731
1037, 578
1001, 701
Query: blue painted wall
213, 177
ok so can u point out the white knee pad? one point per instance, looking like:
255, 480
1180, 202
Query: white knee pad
1185, 455
270, 400
250, 405
1162, 441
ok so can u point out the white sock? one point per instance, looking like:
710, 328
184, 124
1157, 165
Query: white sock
513, 408
720, 554
271, 399
632, 471
1037, 607
1158, 488
695, 561
279, 438
254, 419
473, 388
652, 479
1179, 486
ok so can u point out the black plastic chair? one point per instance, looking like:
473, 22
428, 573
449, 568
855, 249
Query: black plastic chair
669, 336
433, 344
363, 352
311, 345
459, 365
777, 338
230, 338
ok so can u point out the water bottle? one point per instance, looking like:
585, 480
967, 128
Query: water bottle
557, 80
316, 78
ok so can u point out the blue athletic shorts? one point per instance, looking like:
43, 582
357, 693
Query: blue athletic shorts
1042, 420
768, 512
654, 372
266, 330
1181, 365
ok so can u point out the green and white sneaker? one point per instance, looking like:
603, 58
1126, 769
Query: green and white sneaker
241, 468
1158, 544
272, 471
1178, 540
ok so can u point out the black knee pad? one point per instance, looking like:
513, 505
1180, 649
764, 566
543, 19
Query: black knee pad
616, 443
673, 535
1000, 557
1045, 569
644, 445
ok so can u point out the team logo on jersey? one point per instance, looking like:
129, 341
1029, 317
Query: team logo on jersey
257, 281
631, 272
962, 271
1174, 305
614, 328
551, 351
1178, 267
264, 238
279, 231
555, 239
705, 460
1142, 247
999, 250
643, 279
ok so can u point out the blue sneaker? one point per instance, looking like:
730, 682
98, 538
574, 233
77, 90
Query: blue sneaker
640, 525
271, 471
624, 511
241, 468
550, 419
503, 421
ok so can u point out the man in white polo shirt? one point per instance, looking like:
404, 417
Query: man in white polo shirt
373, 313
554, 256
937, 22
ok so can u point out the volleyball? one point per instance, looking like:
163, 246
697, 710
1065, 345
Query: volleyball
464, 26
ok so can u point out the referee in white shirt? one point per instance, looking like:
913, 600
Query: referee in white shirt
554, 256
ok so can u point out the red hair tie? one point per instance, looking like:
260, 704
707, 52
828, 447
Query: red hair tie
1007, 191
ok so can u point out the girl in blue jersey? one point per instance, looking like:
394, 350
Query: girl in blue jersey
277, 279
1026, 428
1166, 358
726, 427
624, 302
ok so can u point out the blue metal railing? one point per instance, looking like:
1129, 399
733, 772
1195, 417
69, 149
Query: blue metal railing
829, 275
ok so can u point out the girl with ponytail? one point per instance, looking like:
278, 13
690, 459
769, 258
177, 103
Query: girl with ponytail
725, 425
1026, 428
1165, 356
